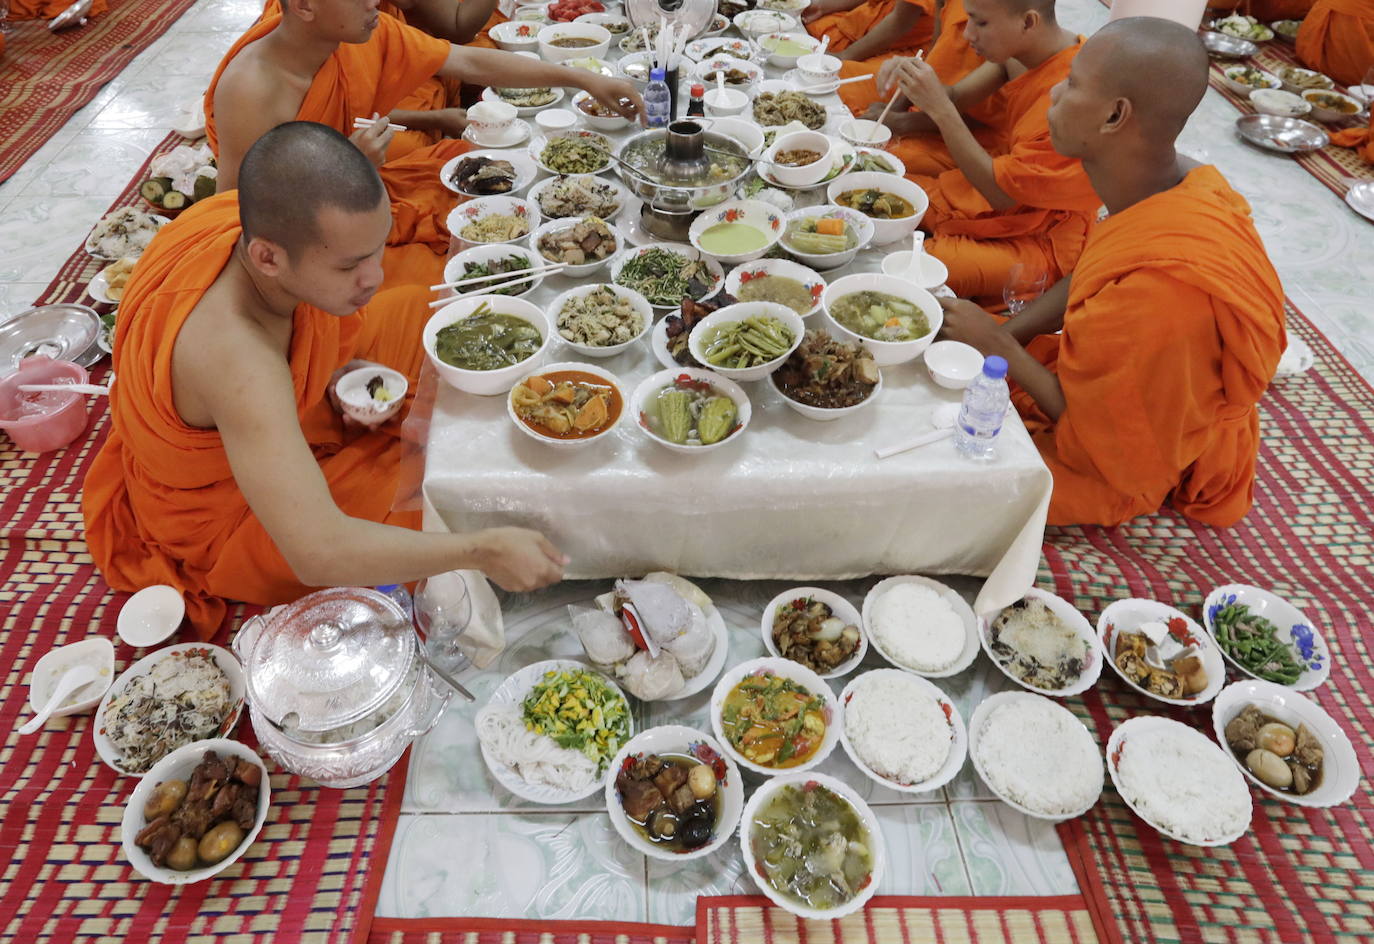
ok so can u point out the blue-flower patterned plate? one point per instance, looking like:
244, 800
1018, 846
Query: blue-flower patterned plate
1294, 629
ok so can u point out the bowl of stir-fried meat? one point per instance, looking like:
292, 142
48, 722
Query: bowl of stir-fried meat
196, 812
739, 73
815, 628
567, 404
486, 173
826, 379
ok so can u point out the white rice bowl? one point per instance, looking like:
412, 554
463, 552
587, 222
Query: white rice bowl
902, 731
921, 625
1036, 756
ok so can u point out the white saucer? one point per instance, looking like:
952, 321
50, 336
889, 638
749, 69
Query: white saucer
517, 133
795, 77
1360, 198
99, 289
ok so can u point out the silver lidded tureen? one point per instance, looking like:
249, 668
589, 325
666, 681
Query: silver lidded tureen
679, 171
337, 689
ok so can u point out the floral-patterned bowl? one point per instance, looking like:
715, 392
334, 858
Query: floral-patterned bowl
810, 279
465, 215
755, 214
1293, 629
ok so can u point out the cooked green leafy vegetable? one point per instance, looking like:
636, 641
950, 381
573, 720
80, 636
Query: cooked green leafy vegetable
580, 712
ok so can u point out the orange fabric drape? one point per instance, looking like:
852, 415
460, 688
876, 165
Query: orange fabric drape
847, 28
1361, 139
160, 501
1173, 330
1337, 38
46, 9
1266, 11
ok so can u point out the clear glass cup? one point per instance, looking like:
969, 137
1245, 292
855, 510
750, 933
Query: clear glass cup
1024, 285
443, 612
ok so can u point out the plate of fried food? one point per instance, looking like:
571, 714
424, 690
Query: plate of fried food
107, 287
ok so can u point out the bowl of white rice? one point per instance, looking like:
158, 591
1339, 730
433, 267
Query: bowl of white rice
1035, 756
921, 626
1042, 643
1179, 781
902, 731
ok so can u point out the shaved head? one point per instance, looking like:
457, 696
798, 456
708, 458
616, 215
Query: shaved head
1017, 7
293, 175
1158, 65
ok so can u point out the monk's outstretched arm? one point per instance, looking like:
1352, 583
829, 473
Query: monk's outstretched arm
1044, 315
886, 34
966, 322
478, 66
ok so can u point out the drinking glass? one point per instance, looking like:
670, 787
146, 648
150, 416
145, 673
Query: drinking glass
1364, 90
4, 16
443, 611
1024, 285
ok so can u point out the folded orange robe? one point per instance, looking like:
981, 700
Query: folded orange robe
160, 501
356, 81
1173, 330
1337, 38
1361, 139
847, 28
1056, 203
47, 9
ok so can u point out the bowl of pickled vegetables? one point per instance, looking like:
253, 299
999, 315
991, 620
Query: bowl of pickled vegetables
773, 716
893, 318
746, 341
825, 237
483, 344
691, 410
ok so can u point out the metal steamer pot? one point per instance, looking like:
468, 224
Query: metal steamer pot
670, 170
337, 689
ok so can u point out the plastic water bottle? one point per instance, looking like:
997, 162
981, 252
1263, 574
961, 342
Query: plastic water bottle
399, 594
658, 100
983, 411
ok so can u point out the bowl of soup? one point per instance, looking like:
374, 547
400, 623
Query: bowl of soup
894, 204
1332, 106
563, 41
567, 404
798, 831
775, 716
784, 49
483, 344
737, 231
800, 159
893, 318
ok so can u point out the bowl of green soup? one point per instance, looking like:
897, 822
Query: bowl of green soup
784, 49
483, 344
891, 317
737, 231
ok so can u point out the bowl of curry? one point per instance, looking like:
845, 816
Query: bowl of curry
775, 716
567, 404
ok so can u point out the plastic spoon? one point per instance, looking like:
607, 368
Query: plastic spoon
95, 390
75, 678
918, 240
825, 44
943, 420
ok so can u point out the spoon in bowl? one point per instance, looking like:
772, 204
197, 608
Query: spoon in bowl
74, 678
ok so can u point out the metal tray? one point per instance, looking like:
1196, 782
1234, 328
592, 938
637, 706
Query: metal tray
63, 332
1285, 135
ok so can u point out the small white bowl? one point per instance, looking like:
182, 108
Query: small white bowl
756, 214
1125, 616
525, 170
486, 383
810, 279
781, 668
516, 35
701, 336
864, 132
885, 231
1075, 621
725, 102
603, 182
150, 616
887, 157
953, 364
786, 60
717, 26
677, 739
454, 268
605, 375
581, 270
471, 211
490, 120
551, 53
1340, 765
818, 68
599, 122
713, 268
875, 837
640, 303
807, 174
958, 748
359, 404
1330, 114
97, 652
886, 353
715, 63
552, 121
536, 148
710, 46
863, 230
1293, 627
829, 414
748, 134
929, 275
1278, 102
839, 607
1240, 88
224, 659
593, 65
178, 765
755, 23
629, 66
651, 385
956, 603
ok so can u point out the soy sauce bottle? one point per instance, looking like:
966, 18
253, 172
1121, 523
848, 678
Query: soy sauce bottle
696, 106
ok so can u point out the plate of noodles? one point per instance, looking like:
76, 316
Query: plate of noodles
534, 736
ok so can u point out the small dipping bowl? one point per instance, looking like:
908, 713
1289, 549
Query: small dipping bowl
490, 120
930, 275
818, 68
365, 407
803, 175
96, 651
953, 364
555, 119
150, 615
862, 132
42, 422
1278, 102
725, 103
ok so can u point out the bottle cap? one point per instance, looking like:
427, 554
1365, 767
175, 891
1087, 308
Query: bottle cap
698, 90
995, 367
657, 74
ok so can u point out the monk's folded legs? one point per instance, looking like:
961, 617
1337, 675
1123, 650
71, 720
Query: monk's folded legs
979, 268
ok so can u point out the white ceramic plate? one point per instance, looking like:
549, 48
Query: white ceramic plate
524, 111
158, 223
958, 748
975, 727
1293, 627
658, 341
966, 655
839, 607
99, 288
525, 171
1071, 617
513, 691
782, 668
223, 658
537, 145
713, 268
1340, 773
1120, 740
518, 133
1124, 616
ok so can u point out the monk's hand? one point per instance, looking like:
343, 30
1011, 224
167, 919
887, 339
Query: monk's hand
519, 560
887, 84
616, 94
332, 391
817, 9
970, 324
922, 87
449, 122
374, 140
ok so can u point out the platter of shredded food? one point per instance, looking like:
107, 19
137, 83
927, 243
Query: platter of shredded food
550, 730
1042, 643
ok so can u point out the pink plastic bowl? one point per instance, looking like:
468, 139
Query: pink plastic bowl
42, 422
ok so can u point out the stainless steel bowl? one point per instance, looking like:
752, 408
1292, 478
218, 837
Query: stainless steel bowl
63, 332
1360, 198
1285, 135
1224, 46
678, 196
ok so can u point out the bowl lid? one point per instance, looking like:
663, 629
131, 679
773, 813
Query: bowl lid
329, 659
62, 332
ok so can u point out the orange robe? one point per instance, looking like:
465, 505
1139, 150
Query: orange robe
356, 81
847, 28
1266, 11
1361, 139
1055, 200
160, 501
1337, 38
1173, 330
46, 9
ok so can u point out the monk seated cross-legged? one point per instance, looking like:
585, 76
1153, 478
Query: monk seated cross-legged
1015, 201
228, 471
1172, 322
872, 30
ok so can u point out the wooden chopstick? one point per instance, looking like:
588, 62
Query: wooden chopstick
476, 279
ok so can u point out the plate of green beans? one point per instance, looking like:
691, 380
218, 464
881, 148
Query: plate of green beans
1266, 637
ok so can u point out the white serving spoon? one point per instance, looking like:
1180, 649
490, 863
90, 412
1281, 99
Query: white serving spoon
943, 420
95, 390
75, 678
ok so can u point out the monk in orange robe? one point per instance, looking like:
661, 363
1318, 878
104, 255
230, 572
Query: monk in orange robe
47, 9
1337, 38
1172, 322
874, 30
229, 473
1017, 202
1266, 11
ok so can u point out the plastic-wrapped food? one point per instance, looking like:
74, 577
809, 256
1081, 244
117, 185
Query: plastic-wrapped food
694, 646
666, 614
602, 635
649, 679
